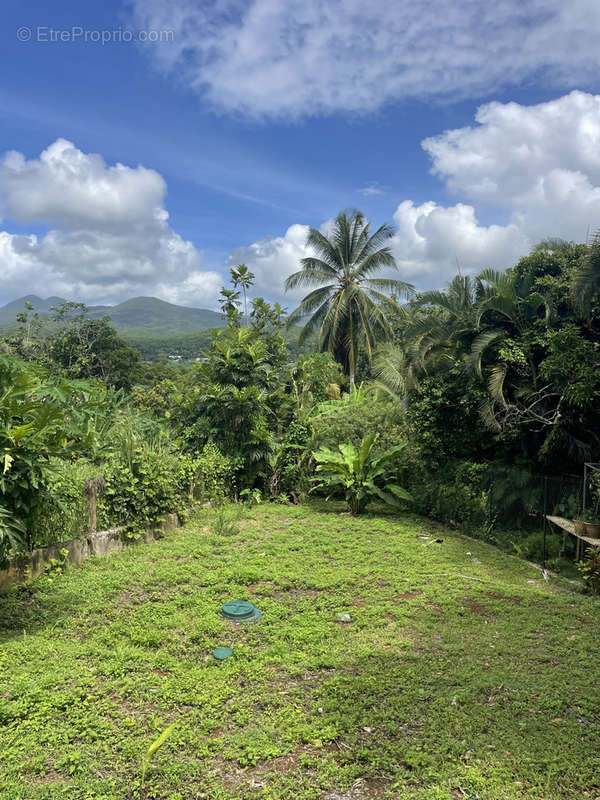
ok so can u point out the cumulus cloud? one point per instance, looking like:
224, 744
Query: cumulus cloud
432, 242
540, 162
308, 57
112, 237
537, 165
272, 260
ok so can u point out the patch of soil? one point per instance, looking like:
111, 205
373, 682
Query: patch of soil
474, 606
125, 599
435, 607
409, 595
52, 776
248, 780
497, 596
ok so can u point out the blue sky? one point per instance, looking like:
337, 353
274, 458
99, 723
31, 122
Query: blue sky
246, 129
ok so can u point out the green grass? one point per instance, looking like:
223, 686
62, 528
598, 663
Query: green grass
458, 676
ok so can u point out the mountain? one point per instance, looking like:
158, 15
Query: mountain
9, 312
138, 313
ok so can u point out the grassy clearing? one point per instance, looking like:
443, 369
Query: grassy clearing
458, 676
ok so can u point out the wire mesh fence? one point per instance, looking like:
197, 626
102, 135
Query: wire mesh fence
522, 501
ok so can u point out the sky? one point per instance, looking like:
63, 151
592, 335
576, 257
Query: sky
148, 146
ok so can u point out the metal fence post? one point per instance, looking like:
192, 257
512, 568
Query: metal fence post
545, 520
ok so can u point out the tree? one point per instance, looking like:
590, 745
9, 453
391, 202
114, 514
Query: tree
229, 301
242, 277
91, 348
237, 393
71, 344
586, 281
348, 308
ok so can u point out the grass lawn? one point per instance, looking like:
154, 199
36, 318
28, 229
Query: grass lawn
461, 673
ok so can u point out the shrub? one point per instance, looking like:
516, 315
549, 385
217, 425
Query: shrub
41, 418
590, 570
144, 488
531, 547
455, 496
215, 474
294, 468
63, 512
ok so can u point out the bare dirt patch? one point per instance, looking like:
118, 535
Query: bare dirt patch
474, 606
52, 776
409, 595
497, 596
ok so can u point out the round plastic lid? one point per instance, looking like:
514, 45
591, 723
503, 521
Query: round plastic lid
238, 609
221, 653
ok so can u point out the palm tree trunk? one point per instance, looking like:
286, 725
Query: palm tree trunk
351, 355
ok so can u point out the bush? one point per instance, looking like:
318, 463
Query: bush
532, 547
142, 489
590, 570
360, 476
215, 474
42, 418
63, 512
456, 496
294, 469
349, 421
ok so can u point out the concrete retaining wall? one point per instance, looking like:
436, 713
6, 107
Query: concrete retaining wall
100, 543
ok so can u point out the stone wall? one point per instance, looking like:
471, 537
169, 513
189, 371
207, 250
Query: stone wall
99, 543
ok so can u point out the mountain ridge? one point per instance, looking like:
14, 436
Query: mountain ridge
136, 313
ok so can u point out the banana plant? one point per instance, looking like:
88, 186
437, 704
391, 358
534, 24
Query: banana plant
360, 475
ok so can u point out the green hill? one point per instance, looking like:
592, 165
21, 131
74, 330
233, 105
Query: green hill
152, 326
136, 314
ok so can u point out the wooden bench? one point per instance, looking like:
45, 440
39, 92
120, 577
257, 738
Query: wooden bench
568, 525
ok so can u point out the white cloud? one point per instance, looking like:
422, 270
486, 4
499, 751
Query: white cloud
272, 260
540, 162
112, 237
433, 241
371, 189
539, 165
308, 57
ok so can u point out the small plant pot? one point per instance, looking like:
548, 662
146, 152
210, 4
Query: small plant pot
592, 529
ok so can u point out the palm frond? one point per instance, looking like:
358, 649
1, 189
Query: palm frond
480, 345
313, 273
393, 285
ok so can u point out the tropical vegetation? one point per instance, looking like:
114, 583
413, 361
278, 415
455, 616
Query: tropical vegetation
348, 310
332, 482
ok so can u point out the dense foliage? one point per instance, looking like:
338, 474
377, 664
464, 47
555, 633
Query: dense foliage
486, 391
360, 475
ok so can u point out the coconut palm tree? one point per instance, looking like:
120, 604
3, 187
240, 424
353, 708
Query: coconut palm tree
348, 307
243, 278
434, 331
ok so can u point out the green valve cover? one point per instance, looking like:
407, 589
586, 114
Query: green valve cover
221, 653
238, 610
